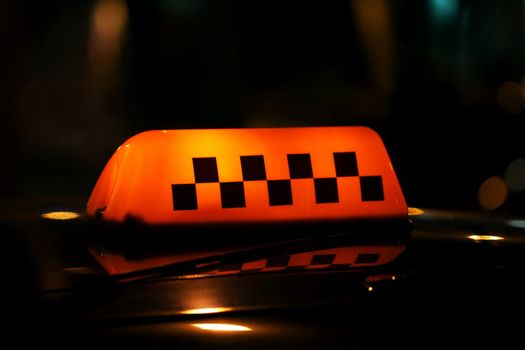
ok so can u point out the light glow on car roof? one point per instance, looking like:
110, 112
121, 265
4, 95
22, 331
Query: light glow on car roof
415, 211
206, 310
485, 238
61, 215
221, 327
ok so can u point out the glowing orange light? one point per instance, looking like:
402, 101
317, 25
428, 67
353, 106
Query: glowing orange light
249, 176
61, 215
492, 193
415, 211
109, 19
370, 289
206, 310
485, 238
221, 327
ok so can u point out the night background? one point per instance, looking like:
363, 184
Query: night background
442, 81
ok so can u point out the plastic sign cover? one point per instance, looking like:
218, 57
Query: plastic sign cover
272, 175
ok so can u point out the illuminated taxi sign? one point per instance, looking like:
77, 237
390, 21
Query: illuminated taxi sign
249, 176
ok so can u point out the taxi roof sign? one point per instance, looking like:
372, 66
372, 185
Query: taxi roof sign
257, 175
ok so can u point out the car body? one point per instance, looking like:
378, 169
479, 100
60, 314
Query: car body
458, 281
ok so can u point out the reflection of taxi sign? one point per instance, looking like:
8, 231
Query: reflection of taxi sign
249, 176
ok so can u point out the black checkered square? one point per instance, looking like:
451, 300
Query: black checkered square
205, 170
184, 197
280, 192
253, 168
300, 166
323, 259
278, 261
326, 190
371, 188
230, 267
345, 164
232, 195
367, 258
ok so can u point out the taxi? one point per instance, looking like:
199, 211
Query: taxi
235, 182
286, 237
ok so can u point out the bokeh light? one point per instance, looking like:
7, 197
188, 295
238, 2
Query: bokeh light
518, 223
444, 11
221, 327
485, 238
207, 310
109, 24
492, 193
415, 211
61, 215
109, 19
515, 175
510, 97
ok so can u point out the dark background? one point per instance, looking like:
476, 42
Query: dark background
440, 80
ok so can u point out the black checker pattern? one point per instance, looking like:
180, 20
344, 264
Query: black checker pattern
278, 261
283, 262
371, 188
323, 259
279, 190
232, 195
326, 190
230, 267
345, 164
300, 166
253, 168
367, 258
205, 170
184, 197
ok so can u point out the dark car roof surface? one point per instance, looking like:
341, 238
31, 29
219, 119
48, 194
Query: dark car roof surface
448, 288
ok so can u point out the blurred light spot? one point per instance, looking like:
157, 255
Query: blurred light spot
61, 215
510, 98
515, 175
516, 223
109, 19
373, 22
393, 278
109, 22
415, 211
485, 238
164, 131
221, 327
444, 10
492, 193
207, 310
127, 146
370, 289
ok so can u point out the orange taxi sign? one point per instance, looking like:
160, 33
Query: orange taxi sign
259, 175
